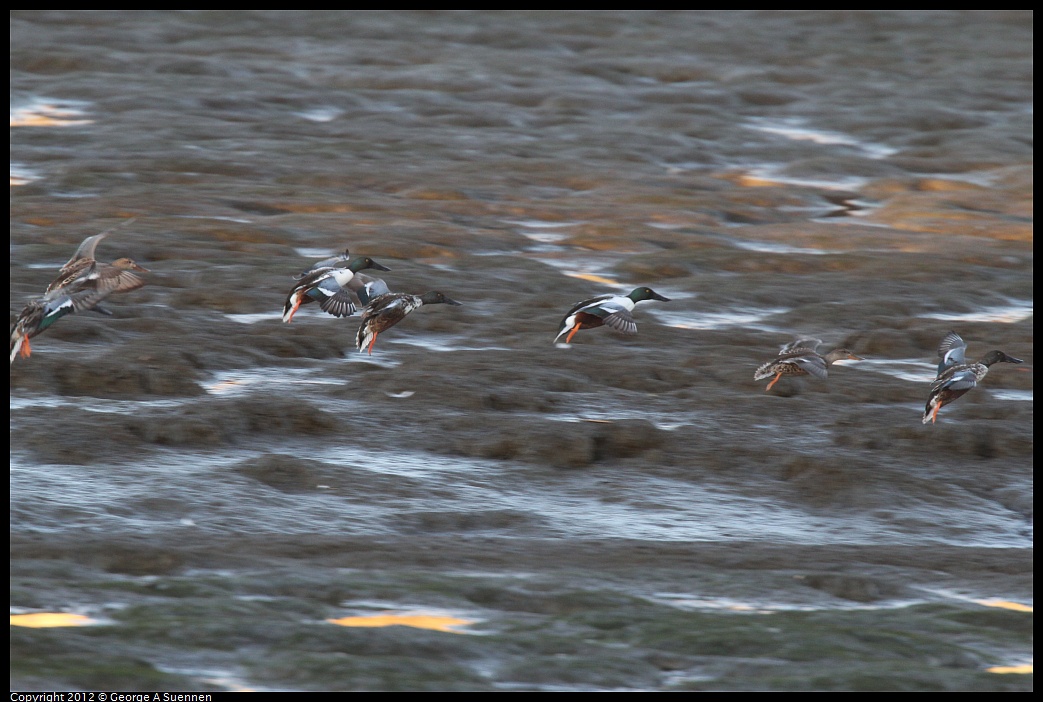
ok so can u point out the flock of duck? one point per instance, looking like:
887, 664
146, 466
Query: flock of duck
341, 289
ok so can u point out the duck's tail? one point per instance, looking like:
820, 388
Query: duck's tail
19, 345
293, 302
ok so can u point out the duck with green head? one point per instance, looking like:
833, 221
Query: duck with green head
613, 311
329, 286
956, 377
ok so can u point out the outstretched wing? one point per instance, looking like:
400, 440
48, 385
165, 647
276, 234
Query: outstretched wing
367, 288
952, 351
811, 363
955, 379
793, 346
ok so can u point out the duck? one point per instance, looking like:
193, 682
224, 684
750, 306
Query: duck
83, 263
82, 293
363, 288
800, 358
612, 310
387, 310
327, 285
956, 377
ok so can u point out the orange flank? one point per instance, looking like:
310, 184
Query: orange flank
777, 376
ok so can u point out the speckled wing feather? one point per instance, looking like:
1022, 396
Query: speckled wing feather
811, 363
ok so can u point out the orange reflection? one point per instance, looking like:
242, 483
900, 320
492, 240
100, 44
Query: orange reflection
46, 116
1004, 604
45, 620
593, 278
1021, 669
420, 621
750, 181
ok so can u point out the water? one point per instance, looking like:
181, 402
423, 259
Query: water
477, 507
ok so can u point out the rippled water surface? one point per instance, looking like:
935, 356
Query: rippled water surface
206, 498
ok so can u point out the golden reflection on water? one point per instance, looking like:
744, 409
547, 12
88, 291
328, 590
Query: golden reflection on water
1006, 604
435, 622
1004, 669
750, 181
46, 620
593, 278
223, 386
46, 115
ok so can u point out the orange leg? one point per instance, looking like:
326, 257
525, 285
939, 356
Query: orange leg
777, 376
572, 333
25, 351
934, 414
372, 341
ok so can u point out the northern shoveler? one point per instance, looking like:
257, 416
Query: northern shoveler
613, 310
389, 309
956, 377
83, 293
82, 264
362, 287
328, 285
799, 358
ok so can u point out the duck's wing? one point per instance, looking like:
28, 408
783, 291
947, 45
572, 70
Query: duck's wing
793, 346
808, 361
85, 251
334, 299
87, 248
331, 262
955, 379
312, 277
951, 351
587, 303
109, 279
72, 271
619, 319
366, 288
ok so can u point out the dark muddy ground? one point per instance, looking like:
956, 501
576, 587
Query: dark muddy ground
211, 486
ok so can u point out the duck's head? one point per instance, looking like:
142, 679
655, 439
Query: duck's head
842, 355
643, 293
998, 357
127, 264
363, 262
436, 298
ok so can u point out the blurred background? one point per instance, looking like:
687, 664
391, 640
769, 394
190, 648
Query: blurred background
206, 498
